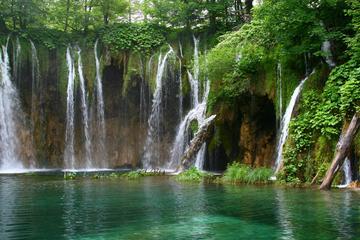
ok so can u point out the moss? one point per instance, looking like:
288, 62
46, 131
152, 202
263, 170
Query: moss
194, 126
133, 70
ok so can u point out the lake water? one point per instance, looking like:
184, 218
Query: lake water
48, 207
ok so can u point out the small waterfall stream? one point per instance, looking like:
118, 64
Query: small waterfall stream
10, 112
69, 153
326, 48
100, 114
279, 90
35, 86
285, 122
346, 168
85, 114
153, 136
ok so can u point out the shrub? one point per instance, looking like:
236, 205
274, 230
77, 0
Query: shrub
192, 175
240, 173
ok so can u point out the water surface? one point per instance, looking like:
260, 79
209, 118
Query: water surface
161, 208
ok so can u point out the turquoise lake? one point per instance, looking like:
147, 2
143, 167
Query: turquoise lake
48, 207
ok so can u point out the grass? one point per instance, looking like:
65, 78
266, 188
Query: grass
239, 173
193, 175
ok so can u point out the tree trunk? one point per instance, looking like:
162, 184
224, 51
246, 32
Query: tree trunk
342, 150
196, 143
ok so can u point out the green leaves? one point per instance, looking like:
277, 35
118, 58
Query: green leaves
142, 38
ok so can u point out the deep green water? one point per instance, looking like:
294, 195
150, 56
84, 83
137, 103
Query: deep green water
160, 208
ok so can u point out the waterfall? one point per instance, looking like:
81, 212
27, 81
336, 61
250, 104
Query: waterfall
35, 82
100, 113
153, 137
194, 78
17, 61
180, 90
346, 168
326, 48
279, 80
198, 113
69, 154
10, 111
285, 122
85, 114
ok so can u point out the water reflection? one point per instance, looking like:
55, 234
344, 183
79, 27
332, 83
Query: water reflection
284, 217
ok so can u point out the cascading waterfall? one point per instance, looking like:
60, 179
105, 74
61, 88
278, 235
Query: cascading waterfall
346, 168
69, 154
153, 137
198, 113
194, 78
100, 113
10, 111
180, 90
326, 48
279, 86
17, 62
85, 114
285, 122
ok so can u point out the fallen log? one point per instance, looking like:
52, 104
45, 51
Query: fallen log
342, 150
200, 137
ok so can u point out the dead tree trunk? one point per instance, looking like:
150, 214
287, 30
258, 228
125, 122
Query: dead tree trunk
196, 143
342, 150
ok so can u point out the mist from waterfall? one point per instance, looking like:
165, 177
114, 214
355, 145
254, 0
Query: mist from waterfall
10, 116
152, 143
69, 153
100, 114
285, 122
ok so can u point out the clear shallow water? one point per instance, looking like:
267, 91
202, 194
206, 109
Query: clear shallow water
159, 208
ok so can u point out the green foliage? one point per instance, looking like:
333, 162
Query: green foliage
191, 175
141, 38
70, 175
239, 173
194, 126
293, 167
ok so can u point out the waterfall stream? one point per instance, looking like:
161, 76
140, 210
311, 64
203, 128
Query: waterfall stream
279, 89
69, 154
346, 168
10, 112
100, 114
326, 48
151, 156
285, 122
85, 114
